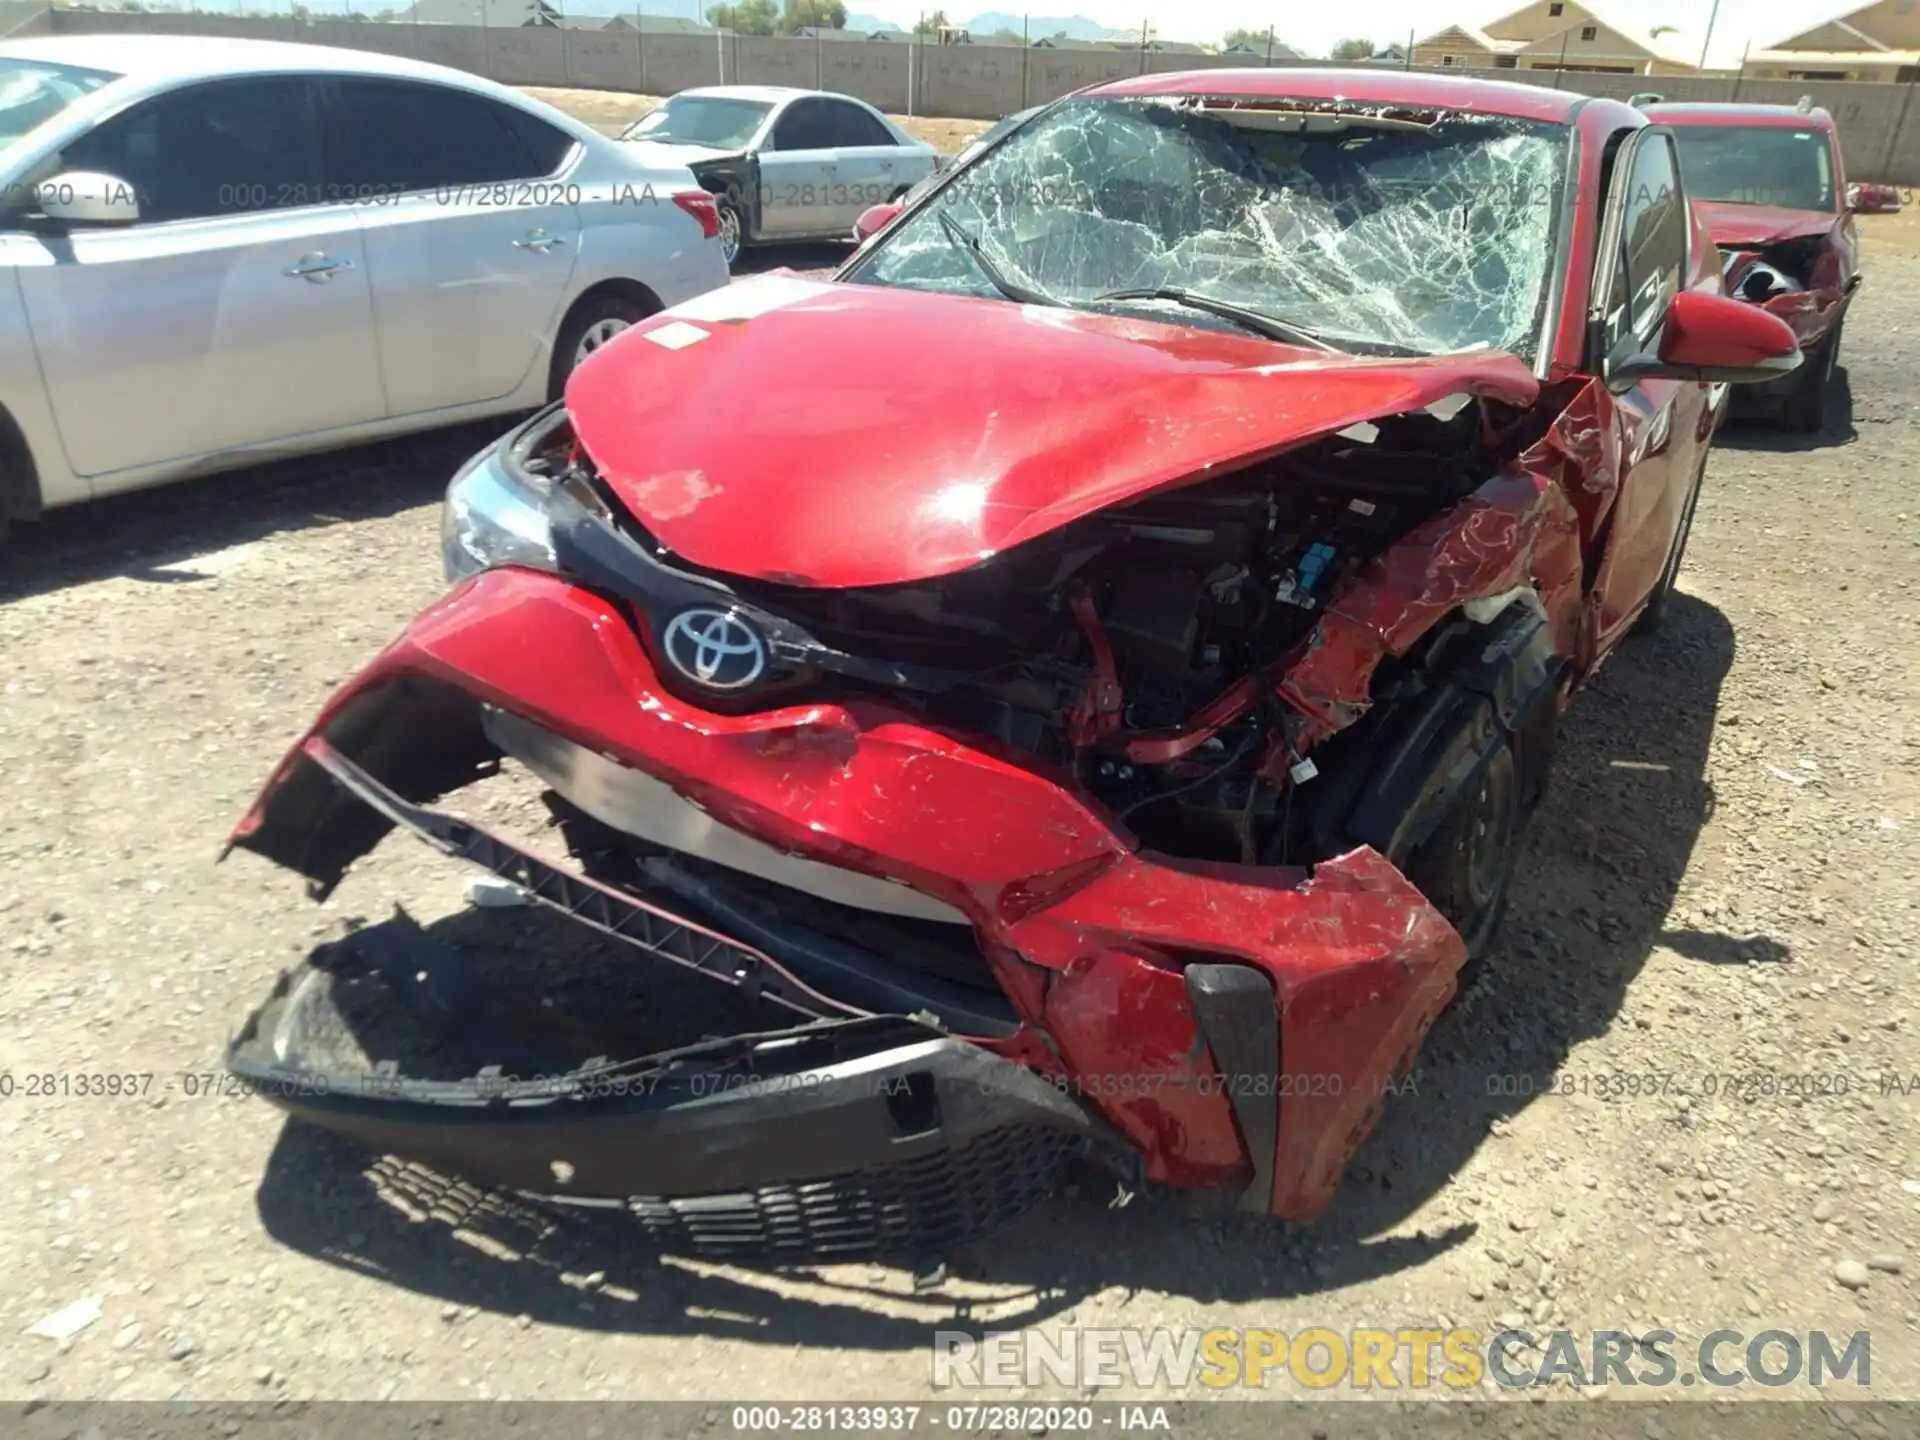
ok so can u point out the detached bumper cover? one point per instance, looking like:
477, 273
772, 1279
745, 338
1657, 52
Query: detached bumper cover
1235, 1026
845, 1135
844, 1140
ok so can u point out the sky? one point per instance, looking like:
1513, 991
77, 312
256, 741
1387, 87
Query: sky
1313, 29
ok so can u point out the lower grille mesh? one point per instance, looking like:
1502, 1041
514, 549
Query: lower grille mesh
919, 1208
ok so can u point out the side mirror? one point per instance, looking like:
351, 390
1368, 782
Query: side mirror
86, 197
1873, 199
1714, 338
874, 219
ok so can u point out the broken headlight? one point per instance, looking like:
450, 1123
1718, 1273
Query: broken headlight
495, 514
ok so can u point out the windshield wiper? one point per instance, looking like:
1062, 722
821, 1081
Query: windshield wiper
1257, 321
996, 277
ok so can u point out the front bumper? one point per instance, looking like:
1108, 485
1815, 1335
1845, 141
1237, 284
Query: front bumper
839, 1135
1813, 316
1230, 1026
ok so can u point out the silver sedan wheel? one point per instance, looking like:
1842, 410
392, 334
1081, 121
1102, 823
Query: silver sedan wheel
729, 234
596, 335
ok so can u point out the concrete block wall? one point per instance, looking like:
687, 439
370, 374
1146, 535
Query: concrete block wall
1879, 124
876, 71
669, 63
775, 60
608, 60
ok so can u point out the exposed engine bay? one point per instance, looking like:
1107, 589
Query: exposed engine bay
1762, 275
1119, 649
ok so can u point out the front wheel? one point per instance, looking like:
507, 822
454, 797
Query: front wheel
1804, 410
730, 230
1465, 868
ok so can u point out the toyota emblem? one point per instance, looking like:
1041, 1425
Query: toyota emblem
715, 648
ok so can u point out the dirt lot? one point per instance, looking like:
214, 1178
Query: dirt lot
1720, 895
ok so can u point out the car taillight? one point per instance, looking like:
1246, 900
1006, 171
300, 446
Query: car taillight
700, 205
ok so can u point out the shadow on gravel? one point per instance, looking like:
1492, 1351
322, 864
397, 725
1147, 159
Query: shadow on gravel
1712, 948
1757, 432
155, 535
1602, 864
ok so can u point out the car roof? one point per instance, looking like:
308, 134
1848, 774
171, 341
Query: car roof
1382, 87
157, 58
1785, 117
766, 94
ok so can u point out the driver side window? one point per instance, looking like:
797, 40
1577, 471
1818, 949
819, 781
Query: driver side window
1651, 264
223, 148
801, 127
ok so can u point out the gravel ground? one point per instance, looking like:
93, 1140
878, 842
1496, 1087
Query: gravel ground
1722, 884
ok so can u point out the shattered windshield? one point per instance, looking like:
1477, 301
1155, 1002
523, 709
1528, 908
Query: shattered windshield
1396, 233
722, 124
1757, 165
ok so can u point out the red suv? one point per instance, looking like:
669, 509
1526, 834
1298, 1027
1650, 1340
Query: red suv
1770, 182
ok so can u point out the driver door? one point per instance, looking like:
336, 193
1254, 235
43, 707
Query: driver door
798, 171
233, 314
1643, 260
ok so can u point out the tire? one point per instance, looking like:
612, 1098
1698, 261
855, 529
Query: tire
732, 232
593, 322
1804, 410
1654, 616
19, 500
1465, 868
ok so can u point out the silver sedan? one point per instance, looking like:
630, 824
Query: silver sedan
784, 164
214, 252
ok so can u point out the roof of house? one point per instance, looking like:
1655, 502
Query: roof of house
1865, 39
1835, 59
1671, 45
1478, 37
667, 25
1837, 18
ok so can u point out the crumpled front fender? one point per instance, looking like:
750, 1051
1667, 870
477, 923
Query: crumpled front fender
1091, 938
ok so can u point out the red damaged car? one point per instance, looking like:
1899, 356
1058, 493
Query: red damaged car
1769, 181
1077, 678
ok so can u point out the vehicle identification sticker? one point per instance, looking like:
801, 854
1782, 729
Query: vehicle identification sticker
677, 335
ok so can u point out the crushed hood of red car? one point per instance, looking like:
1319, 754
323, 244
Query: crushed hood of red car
1748, 226
948, 429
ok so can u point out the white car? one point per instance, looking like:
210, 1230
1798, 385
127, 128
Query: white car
215, 252
784, 164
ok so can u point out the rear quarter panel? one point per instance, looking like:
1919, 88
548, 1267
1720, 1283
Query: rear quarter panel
631, 229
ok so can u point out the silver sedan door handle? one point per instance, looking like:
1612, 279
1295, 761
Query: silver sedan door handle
316, 267
538, 241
